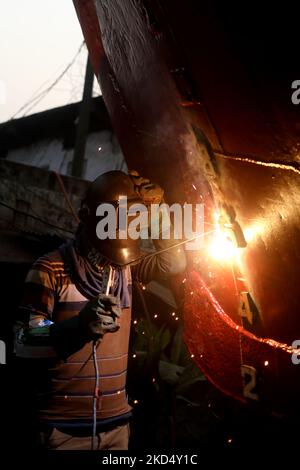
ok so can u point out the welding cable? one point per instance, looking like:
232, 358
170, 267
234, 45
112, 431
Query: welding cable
96, 343
96, 393
155, 253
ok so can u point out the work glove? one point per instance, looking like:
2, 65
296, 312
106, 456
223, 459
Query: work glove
150, 193
100, 316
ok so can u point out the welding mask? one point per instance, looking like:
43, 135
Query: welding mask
100, 212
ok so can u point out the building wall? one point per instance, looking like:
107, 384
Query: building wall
103, 154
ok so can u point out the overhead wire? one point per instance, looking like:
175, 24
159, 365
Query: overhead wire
30, 104
18, 211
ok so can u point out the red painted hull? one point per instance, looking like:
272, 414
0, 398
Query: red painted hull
199, 117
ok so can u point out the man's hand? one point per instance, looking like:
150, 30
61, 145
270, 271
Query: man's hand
100, 316
150, 193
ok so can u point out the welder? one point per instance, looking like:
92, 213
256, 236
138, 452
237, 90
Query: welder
79, 297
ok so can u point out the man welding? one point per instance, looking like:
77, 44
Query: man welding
73, 297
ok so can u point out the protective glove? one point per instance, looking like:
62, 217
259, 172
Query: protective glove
100, 316
150, 193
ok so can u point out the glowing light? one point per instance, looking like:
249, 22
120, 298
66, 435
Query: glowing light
250, 233
176, 318
194, 187
135, 322
216, 217
153, 380
266, 363
191, 293
144, 287
173, 314
99, 149
229, 441
184, 280
222, 248
118, 392
134, 356
135, 402
155, 316
192, 355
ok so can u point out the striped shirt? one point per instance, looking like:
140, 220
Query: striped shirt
51, 296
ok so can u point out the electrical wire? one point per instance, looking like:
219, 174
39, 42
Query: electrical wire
30, 104
63, 190
35, 218
15, 187
157, 252
96, 393
96, 343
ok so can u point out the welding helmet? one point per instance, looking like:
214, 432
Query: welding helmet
108, 189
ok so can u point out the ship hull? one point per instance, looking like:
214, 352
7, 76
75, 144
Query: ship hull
196, 108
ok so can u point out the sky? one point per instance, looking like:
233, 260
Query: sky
38, 39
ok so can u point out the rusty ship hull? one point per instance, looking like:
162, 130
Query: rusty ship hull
200, 98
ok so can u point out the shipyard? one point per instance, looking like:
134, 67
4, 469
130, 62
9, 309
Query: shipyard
149, 231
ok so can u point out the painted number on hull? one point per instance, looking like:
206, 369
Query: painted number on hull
249, 375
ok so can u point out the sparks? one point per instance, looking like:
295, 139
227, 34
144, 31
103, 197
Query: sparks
254, 231
216, 217
222, 247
